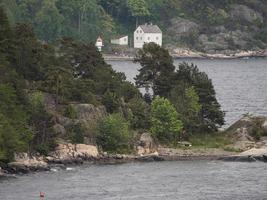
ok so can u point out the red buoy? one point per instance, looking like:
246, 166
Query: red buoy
42, 194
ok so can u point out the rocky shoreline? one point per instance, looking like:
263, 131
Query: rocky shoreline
187, 53
37, 164
42, 164
146, 150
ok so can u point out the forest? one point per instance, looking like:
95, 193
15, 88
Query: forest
71, 71
212, 21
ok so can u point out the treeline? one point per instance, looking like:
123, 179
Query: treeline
86, 19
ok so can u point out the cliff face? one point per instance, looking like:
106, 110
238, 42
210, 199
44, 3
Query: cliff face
87, 115
243, 29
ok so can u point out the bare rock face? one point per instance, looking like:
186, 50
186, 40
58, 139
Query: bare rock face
243, 13
24, 163
89, 115
72, 153
89, 112
180, 26
146, 145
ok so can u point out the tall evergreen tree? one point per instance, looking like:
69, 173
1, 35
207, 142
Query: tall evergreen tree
211, 113
156, 70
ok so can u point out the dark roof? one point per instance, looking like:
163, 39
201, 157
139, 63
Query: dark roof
119, 37
148, 28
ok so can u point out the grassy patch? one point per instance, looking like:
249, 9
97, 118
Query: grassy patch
231, 149
215, 140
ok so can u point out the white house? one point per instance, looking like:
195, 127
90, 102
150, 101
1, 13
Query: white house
122, 40
147, 33
99, 43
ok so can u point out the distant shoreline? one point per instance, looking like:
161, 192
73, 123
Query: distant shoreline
187, 54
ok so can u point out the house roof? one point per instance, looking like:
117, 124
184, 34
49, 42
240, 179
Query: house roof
150, 28
119, 37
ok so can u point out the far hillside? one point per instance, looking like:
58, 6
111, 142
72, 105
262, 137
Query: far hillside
211, 26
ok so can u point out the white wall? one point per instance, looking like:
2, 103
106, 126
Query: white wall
140, 38
153, 37
120, 41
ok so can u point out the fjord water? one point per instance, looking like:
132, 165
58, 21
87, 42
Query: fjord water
240, 84
187, 180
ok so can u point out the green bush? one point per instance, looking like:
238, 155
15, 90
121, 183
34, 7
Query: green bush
113, 133
165, 122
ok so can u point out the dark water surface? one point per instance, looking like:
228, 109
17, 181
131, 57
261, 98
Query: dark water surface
187, 180
240, 84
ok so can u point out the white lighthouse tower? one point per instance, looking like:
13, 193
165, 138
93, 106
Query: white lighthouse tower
99, 43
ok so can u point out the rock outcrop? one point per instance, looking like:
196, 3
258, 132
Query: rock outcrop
146, 145
3, 173
24, 163
73, 153
87, 115
249, 136
246, 132
180, 27
251, 155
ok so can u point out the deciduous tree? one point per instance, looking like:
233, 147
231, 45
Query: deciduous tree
165, 122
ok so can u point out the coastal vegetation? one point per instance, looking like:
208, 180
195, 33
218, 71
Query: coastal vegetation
72, 72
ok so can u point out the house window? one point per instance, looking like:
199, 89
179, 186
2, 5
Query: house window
137, 31
137, 38
140, 38
140, 31
157, 38
124, 39
148, 38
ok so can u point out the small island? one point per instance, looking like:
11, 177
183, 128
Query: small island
63, 104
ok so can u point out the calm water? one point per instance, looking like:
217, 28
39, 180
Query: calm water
187, 180
240, 84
